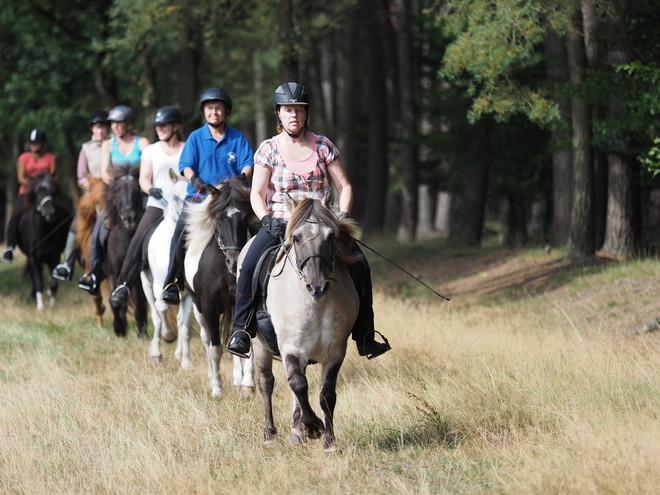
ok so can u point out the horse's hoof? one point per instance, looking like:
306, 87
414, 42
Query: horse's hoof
185, 364
296, 437
246, 392
216, 392
156, 360
331, 451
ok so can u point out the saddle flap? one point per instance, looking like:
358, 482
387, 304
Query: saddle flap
262, 272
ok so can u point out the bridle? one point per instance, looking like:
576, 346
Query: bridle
122, 212
40, 206
300, 264
221, 244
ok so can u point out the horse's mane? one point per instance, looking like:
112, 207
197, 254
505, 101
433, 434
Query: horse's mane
41, 177
87, 210
343, 229
203, 217
113, 188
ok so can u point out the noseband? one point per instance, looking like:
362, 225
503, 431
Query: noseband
221, 244
300, 264
40, 206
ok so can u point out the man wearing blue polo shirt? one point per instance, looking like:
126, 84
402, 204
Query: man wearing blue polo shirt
211, 154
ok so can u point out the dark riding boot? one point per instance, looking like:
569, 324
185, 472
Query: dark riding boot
174, 281
363, 329
64, 271
90, 280
121, 295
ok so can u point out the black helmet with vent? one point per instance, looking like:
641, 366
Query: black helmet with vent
290, 94
98, 117
37, 136
122, 113
215, 94
167, 115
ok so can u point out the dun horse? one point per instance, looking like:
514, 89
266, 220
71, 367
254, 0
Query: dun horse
313, 304
42, 233
217, 230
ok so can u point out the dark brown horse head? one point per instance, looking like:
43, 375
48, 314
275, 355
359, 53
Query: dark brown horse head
42, 191
232, 216
125, 197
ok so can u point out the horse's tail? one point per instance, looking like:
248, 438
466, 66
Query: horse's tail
226, 323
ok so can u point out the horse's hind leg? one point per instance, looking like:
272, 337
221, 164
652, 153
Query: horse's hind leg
54, 285
264, 361
99, 308
183, 323
140, 311
119, 322
306, 422
328, 399
37, 282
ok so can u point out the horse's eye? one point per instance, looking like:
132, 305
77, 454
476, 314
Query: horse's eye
296, 239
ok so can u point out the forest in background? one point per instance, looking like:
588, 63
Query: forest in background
539, 114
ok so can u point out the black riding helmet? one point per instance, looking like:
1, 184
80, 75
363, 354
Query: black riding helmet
98, 117
168, 115
215, 94
291, 93
37, 136
122, 113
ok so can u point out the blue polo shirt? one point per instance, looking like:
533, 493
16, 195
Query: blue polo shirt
213, 161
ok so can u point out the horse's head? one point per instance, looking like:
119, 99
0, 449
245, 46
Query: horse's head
231, 214
178, 195
41, 192
317, 238
125, 194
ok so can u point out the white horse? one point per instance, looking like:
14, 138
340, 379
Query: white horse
217, 230
153, 278
313, 305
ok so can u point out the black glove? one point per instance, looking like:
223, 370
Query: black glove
197, 183
156, 192
275, 226
242, 177
343, 214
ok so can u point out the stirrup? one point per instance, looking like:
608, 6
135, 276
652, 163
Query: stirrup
91, 288
56, 272
236, 353
116, 296
178, 292
382, 351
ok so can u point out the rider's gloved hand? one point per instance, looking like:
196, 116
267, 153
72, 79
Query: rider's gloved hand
156, 192
343, 214
242, 177
275, 226
197, 183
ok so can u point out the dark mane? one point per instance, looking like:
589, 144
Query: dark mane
41, 180
231, 193
343, 230
117, 184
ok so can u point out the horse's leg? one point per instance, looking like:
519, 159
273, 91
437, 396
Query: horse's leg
213, 354
247, 372
154, 347
212, 318
119, 322
264, 361
140, 311
307, 418
328, 399
183, 323
37, 281
54, 284
99, 308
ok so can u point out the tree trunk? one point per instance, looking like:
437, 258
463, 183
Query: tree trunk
408, 223
188, 82
595, 60
466, 230
347, 98
620, 232
260, 116
289, 65
378, 106
149, 97
562, 160
582, 242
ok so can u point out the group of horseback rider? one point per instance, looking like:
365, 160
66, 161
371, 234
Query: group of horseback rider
295, 162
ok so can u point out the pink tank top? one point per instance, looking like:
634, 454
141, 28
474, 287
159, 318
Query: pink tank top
33, 167
300, 167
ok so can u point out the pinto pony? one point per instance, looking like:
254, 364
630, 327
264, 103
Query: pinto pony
43, 230
313, 305
217, 230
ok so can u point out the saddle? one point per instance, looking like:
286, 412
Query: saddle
261, 320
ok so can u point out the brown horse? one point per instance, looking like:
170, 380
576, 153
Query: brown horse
89, 206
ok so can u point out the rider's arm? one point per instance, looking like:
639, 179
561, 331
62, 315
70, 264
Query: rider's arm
52, 170
105, 161
81, 170
21, 175
344, 188
146, 175
143, 143
259, 190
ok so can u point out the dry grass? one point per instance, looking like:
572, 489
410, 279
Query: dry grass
530, 394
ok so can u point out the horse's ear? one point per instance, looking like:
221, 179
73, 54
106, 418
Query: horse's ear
173, 176
289, 202
212, 189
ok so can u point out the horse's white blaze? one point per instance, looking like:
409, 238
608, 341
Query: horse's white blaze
232, 210
40, 301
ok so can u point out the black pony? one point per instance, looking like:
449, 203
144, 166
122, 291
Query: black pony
43, 229
125, 208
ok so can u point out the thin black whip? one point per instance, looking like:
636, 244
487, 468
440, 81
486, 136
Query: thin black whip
404, 271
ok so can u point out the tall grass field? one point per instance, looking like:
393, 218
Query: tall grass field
519, 389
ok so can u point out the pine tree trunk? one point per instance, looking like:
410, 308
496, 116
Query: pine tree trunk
377, 181
582, 242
